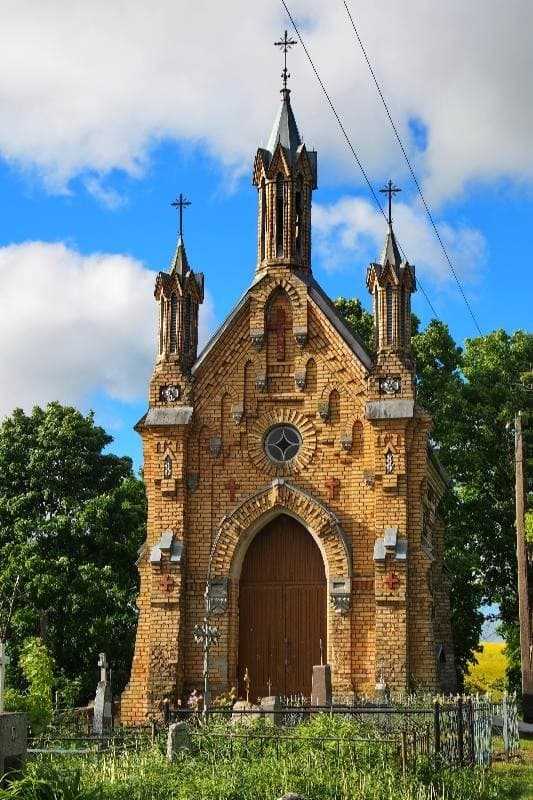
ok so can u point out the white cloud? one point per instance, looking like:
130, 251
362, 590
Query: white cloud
74, 324
351, 231
92, 86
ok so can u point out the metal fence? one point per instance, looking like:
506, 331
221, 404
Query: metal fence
456, 731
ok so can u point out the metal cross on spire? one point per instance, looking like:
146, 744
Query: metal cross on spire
285, 44
390, 189
180, 203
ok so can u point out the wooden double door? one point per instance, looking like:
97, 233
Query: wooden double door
282, 610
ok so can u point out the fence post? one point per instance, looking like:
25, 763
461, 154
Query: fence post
426, 737
404, 752
436, 725
166, 711
470, 722
505, 715
460, 730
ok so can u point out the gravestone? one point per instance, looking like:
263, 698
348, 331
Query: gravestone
292, 796
321, 694
13, 727
244, 713
381, 692
178, 739
272, 709
103, 702
13, 742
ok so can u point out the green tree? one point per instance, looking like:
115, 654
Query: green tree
471, 396
71, 520
37, 666
357, 318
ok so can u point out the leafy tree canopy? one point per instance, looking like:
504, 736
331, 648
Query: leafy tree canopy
71, 520
472, 395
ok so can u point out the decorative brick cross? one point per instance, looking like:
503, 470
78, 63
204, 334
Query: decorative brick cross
167, 583
279, 327
231, 486
332, 484
392, 580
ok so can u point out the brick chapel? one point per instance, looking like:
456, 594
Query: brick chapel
291, 485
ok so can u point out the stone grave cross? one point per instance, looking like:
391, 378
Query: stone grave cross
103, 664
4, 661
103, 701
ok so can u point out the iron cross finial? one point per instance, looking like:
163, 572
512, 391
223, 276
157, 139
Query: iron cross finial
285, 44
180, 203
390, 189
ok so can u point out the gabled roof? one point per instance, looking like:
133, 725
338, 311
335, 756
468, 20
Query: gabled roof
352, 339
321, 299
234, 313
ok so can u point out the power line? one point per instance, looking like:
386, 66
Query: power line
349, 143
428, 212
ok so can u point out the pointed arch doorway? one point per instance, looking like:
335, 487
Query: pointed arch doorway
282, 610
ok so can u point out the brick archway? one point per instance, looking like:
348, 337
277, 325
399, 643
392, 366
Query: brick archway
237, 530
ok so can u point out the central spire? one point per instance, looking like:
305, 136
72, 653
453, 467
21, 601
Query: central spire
285, 176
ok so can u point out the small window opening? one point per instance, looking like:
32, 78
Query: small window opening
161, 325
298, 217
388, 296
263, 220
279, 215
376, 316
403, 315
173, 323
187, 325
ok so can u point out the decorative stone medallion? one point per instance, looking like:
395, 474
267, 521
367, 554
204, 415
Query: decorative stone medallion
389, 384
218, 596
340, 603
257, 338
295, 448
170, 393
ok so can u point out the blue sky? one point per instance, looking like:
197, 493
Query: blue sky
109, 111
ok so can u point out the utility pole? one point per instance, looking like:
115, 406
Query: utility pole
524, 609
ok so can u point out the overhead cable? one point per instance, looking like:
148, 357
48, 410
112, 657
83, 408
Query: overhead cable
349, 143
428, 212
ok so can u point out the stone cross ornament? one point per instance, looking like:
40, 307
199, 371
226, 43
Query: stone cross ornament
104, 666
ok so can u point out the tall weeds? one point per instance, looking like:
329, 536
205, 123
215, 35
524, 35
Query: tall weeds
322, 762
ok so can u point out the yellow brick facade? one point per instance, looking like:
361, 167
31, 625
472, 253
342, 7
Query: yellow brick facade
363, 470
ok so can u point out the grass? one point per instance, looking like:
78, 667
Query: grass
338, 767
516, 778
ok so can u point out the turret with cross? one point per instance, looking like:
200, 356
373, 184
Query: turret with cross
179, 292
285, 174
391, 281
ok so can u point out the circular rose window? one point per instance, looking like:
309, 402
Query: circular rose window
282, 443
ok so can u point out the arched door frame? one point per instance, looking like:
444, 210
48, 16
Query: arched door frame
235, 534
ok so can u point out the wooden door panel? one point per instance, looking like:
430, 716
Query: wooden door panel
304, 627
282, 608
260, 647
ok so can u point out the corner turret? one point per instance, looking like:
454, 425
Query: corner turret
179, 292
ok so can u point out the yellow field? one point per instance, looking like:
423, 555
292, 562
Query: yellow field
488, 675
